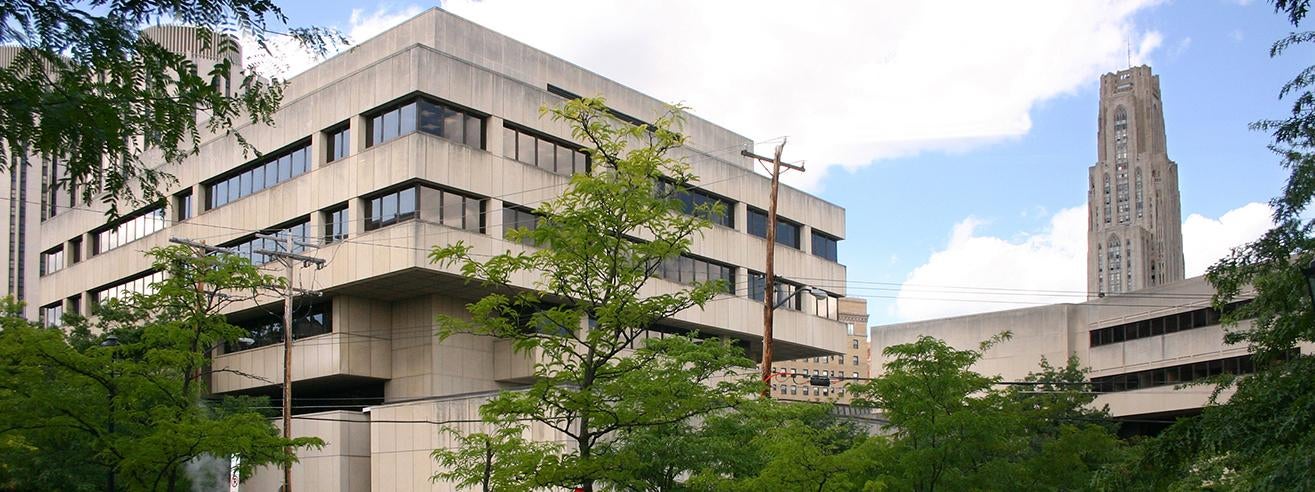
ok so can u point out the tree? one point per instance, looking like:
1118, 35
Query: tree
88, 88
597, 375
503, 460
135, 411
952, 428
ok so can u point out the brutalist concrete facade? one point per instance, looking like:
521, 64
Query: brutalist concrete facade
366, 353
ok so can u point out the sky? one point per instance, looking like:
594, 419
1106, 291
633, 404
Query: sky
956, 134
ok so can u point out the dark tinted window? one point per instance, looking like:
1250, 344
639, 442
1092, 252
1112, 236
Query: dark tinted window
824, 245
268, 171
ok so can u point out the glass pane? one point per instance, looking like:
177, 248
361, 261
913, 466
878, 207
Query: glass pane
219, 194
431, 202
376, 130
406, 203
581, 162
374, 211
525, 149
285, 168
390, 126
473, 215
474, 132
452, 211
431, 118
408, 119
257, 179
454, 128
564, 160
299, 162
546, 156
233, 189
509, 142
389, 212
244, 181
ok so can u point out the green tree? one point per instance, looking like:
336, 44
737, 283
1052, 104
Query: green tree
587, 317
86, 87
952, 428
503, 460
135, 410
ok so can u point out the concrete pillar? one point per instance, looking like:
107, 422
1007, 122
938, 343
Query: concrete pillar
493, 218
356, 216
319, 151
493, 135
741, 216
360, 128
806, 239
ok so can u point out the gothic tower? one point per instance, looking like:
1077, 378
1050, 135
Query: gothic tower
1134, 233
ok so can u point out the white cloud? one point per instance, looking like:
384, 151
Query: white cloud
1206, 240
849, 82
979, 273
286, 58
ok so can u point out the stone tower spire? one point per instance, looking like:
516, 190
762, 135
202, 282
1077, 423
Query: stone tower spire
1134, 233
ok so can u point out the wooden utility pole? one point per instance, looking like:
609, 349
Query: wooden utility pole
289, 260
769, 276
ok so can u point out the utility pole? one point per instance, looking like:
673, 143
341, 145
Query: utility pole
289, 260
769, 280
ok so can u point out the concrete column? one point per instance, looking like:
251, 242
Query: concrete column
806, 239
741, 216
319, 150
356, 216
493, 135
360, 127
493, 218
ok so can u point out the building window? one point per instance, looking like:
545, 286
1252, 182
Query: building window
141, 284
688, 270
1107, 198
794, 390
854, 343
550, 154
444, 207
335, 224
308, 321
58, 192
1120, 134
265, 172
52, 315
1114, 260
855, 375
787, 231
825, 245
1174, 375
514, 218
127, 230
855, 360
250, 246
339, 142
75, 249
52, 260
1162, 325
1140, 194
783, 290
426, 116
699, 203
75, 304
183, 205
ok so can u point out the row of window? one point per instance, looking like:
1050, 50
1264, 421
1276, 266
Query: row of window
823, 372
716, 209
687, 270
424, 115
270, 170
1145, 328
838, 358
1168, 376
144, 284
250, 246
316, 319
545, 153
514, 217
817, 390
129, 230
787, 231
444, 207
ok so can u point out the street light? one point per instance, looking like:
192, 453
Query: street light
817, 293
110, 343
767, 373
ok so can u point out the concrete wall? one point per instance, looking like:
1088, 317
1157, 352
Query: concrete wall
343, 464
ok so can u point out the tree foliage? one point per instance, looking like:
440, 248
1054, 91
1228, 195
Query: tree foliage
72, 410
88, 88
587, 317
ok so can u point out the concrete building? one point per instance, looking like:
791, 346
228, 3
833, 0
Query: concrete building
852, 365
426, 134
1138, 345
1146, 329
1134, 238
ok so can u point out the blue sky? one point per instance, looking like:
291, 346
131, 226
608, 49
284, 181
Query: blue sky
958, 139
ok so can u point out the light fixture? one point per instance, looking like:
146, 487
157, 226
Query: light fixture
110, 341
